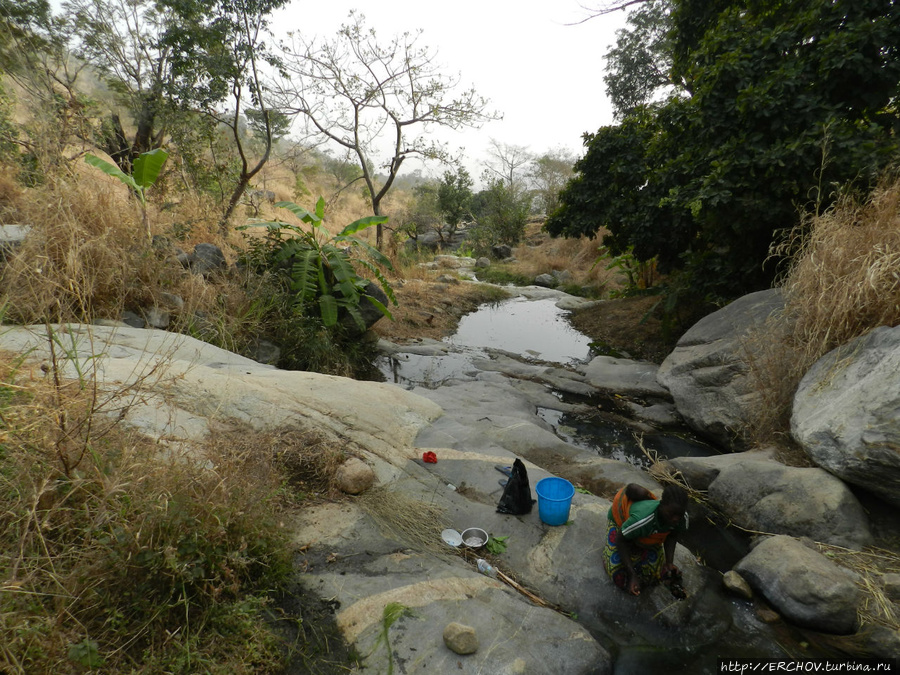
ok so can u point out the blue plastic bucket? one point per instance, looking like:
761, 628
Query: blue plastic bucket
554, 500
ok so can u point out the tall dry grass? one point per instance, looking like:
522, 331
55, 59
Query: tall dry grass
540, 254
843, 281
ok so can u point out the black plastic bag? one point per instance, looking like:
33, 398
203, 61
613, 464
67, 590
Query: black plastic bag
516, 499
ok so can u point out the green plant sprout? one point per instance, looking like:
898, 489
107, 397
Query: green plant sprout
144, 175
496, 545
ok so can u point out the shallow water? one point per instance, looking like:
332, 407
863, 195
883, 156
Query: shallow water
535, 329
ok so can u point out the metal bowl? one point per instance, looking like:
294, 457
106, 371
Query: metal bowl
474, 537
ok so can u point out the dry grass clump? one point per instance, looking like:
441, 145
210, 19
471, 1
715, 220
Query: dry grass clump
305, 461
868, 565
843, 281
85, 257
120, 556
541, 254
405, 518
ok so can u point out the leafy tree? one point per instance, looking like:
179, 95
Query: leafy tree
122, 40
501, 215
785, 99
217, 50
361, 94
638, 66
455, 199
424, 211
34, 55
549, 174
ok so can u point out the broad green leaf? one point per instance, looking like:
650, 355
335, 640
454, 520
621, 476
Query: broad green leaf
320, 208
328, 307
353, 311
372, 252
147, 167
362, 224
379, 306
304, 275
299, 211
111, 170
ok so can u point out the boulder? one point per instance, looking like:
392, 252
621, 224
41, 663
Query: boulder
545, 280
803, 585
891, 585
802, 502
370, 313
157, 317
11, 238
483, 263
354, 476
846, 413
501, 251
206, 259
460, 639
706, 373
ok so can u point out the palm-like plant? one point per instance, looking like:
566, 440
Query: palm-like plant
322, 269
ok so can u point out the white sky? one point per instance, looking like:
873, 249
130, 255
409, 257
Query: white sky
544, 76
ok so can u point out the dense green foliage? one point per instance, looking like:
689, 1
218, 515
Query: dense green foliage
778, 103
455, 198
501, 213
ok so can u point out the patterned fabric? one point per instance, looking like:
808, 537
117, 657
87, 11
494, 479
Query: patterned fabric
647, 562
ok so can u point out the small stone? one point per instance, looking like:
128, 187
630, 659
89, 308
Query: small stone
737, 585
767, 615
460, 639
483, 262
157, 317
354, 476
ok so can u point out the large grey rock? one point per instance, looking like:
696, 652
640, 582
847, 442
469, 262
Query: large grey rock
12, 237
370, 313
770, 497
706, 373
546, 280
846, 413
804, 586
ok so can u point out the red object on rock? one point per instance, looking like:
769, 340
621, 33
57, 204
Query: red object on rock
429, 457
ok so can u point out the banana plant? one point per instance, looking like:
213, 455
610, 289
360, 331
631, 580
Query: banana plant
322, 268
147, 168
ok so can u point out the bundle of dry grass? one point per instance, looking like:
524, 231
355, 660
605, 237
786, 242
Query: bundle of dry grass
843, 281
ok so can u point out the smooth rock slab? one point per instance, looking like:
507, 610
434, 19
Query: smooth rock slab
803, 585
626, 377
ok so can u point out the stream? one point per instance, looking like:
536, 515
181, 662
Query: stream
526, 338
537, 332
